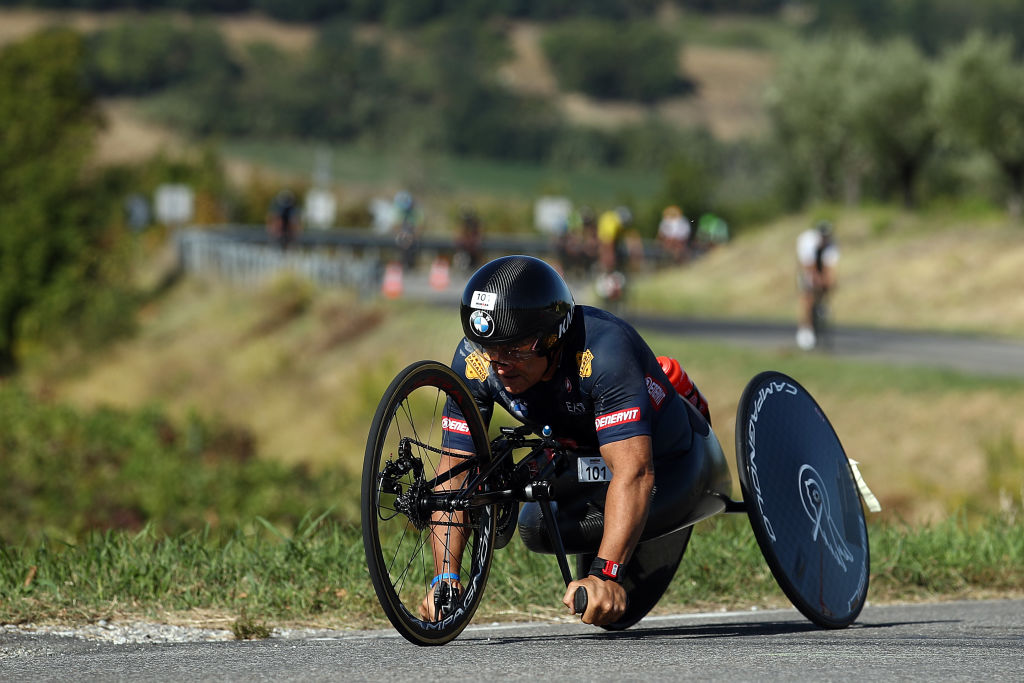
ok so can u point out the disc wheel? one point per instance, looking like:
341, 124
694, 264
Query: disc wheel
404, 515
802, 501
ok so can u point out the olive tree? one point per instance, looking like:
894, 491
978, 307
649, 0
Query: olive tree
53, 244
890, 107
980, 99
808, 104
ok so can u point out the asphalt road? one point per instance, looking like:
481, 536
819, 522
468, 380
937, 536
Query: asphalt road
973, 354
958, 641
967, 641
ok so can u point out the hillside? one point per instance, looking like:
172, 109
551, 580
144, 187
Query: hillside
919, 271
729, 80
303, 370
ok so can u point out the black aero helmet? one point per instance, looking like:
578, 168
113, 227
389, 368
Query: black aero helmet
515, 298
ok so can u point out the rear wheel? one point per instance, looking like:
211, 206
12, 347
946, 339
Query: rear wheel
802, 501
402, 515
820, 321
648, 574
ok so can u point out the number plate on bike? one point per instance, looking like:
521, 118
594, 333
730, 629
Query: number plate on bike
593, 470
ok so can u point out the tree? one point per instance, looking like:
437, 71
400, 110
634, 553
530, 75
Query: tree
808, 105
51, 243
606, 60
892, 113
980, 97
147, 55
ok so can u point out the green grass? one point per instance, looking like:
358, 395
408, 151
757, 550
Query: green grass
67, 472
79, 483
446, 175
318, 576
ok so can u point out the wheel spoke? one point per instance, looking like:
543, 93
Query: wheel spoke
410, 481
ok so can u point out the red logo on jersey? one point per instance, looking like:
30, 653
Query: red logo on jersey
655, 391
450, 424
619, 417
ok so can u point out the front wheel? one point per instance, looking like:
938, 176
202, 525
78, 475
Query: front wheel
403, 507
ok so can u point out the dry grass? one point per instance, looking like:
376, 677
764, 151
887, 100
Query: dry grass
897, 270
922, 450
128, 138
528, 70
238, 30
925, 451
730, 83
728, 100
16, 24
730, 91
303, 370
241, 30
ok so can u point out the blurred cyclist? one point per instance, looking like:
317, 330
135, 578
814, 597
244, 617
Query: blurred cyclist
817, 257
589, 376
613, 255
468, 240
284, 219
674, 233
408, 224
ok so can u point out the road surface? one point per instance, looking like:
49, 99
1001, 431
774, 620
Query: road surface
973, 354
957, 641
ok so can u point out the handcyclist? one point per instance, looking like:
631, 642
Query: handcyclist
817, 257
589, 376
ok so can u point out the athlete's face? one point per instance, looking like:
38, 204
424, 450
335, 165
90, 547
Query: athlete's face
517, 366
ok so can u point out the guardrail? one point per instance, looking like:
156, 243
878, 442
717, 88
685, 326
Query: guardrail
251, 262
364, 238
341, 257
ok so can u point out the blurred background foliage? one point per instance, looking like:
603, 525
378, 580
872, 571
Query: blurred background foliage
893, 101
68, 473
913, 102
910, 102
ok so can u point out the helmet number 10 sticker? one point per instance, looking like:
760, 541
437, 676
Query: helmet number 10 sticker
484, 300
592, 470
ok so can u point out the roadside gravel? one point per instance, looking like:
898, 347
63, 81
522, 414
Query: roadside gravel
122, 633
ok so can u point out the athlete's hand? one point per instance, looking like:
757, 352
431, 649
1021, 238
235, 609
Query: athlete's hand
606, 600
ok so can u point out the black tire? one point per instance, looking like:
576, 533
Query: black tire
648, 574
820, 322
396, 538
802, 501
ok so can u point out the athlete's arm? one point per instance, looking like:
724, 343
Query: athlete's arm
447, 538
626, 507
449, 530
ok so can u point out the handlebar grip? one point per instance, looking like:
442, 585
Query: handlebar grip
579, 600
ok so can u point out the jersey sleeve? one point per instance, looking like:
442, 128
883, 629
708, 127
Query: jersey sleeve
473, 369
619, 391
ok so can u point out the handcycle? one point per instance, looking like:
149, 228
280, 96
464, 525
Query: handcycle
800, 492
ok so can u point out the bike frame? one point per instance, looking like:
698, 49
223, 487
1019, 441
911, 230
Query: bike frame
536, 488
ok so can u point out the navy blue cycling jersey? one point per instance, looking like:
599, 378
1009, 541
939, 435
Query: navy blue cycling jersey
608, 387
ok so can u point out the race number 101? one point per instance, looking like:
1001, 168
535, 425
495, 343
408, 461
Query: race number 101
592, 470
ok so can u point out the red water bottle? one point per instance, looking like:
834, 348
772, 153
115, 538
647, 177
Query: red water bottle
686, 388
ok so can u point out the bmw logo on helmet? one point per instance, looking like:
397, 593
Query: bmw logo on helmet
482, 323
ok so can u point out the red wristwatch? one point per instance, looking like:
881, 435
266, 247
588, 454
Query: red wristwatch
606, 570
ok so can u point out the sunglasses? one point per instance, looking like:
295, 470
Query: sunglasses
510, 353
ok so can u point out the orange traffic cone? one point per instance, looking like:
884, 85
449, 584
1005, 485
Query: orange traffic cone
391, 287
439, 278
